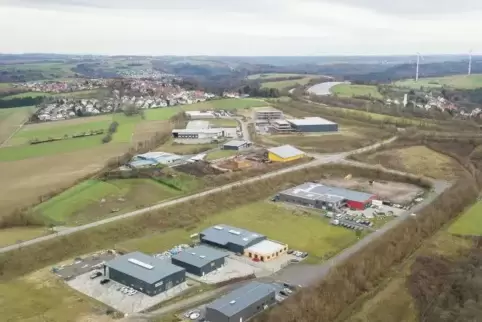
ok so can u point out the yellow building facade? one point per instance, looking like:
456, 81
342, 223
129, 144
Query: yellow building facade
285, 153
266, 250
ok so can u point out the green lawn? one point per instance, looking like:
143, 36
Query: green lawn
127, 126
31, 151
220, 154
11, 236
275, 75
5, 85
57, 130
286, 83
347, 90
309, 233
456, 81
160, 114
469, 223
27, 94
83, 203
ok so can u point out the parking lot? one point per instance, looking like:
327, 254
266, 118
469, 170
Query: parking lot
233, 268
83, 265
111, 293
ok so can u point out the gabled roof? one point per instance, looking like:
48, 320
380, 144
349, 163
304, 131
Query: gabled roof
286, 151
239, 299
318, 191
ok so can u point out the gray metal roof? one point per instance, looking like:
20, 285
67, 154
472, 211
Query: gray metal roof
239, 299
199, 256
197, 125
155, 270
317, 191
236, 143
286, 151
224, 234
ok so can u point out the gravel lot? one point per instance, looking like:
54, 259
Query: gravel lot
84, 265
110, 294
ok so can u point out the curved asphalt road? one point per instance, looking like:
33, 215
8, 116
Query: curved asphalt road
323, 89
319, 160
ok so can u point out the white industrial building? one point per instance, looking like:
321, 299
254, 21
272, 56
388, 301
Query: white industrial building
281, 126
267, 114
196, 115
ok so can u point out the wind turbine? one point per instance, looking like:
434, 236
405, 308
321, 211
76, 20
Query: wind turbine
470, 62
418, 66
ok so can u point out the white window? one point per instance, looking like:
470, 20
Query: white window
159, 284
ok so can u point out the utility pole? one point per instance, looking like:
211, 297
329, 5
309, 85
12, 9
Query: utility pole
418, 66
470, 63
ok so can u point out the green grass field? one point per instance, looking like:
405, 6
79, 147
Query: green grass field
27, 94
172, 147
309, 233
456, 81
348, 90
469, 223
58, 130
275, 75
286, 83
220, 154
5, 85
31, 151
83, 203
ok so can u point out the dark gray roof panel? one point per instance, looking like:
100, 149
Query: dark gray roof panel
314, 191
199, 256
155, 270
239, 299
224, 234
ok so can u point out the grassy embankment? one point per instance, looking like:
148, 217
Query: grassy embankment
349, 90
456, 81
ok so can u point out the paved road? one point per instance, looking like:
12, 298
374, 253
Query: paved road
319, 160
324, 89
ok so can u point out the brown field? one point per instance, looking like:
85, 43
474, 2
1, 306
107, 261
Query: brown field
177, 148
345, 140
145, 130
24, 181
419, 160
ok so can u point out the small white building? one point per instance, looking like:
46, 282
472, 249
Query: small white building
196, 115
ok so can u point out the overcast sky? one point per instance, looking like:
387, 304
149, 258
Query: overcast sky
241, 27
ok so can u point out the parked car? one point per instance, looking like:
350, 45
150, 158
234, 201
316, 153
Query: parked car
105, 281
95, 275
287, 290
304, 254
283, 293
294, 261
290, 251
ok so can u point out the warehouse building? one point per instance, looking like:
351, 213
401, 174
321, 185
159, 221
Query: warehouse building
241, 304
152, 159
200, 260
313, 124
200, 115
197, 133
267, 114
144, 273
266, 250
236, 145
326, 197
230, 238
285, 153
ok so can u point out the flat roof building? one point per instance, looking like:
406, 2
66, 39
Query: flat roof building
150, 159
193, 115
241, 304
236, 145
281, 126
319, 196
230, 238
313, 124
200, 260
266, 250
197, 133
145, 273
285, 153
198, 125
